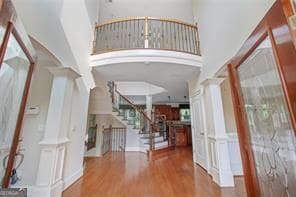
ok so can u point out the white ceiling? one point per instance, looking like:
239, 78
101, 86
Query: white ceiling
172, 77
138, 88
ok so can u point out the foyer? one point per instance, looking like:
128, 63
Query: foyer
131, 174
148, 98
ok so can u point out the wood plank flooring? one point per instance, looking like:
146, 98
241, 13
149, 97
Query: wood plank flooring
131, 174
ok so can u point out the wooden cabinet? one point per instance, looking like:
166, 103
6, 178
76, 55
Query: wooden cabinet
175, 113
189, 135
171, 113
181, 136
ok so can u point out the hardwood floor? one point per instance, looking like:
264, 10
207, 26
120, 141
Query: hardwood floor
131, 174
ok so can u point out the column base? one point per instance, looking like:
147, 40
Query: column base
47, 191
223, 179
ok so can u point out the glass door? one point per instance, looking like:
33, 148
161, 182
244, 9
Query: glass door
13, 76
16, 69
263, 76
272, 137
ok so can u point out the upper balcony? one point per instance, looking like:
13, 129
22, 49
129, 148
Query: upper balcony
146, 33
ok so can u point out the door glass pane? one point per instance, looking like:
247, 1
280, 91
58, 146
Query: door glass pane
13, 75
272, 137
2, 33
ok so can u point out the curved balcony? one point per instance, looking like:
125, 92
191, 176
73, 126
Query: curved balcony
146, 33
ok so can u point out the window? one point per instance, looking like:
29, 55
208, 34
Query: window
185, 115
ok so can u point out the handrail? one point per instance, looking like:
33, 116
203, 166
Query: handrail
143, 18
124, 128
146, 33
150, 125
133, 105
116, 139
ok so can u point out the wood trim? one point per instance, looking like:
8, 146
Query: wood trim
274, 25
290, 10
15, 140
123, 128
259, 40
269, 26
125, 49
134, 106
23, 46
251, 182
13, 150
279, 65
144, 18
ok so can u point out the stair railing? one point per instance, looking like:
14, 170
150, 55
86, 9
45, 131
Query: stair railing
146, 33
114, 139
146, 124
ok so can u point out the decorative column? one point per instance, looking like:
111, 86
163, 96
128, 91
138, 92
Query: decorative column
220, 167
148, 105
53, 145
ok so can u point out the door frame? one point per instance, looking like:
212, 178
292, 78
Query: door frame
275, 26
13, 27
198, 98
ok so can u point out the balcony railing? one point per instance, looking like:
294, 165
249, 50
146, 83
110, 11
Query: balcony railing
146, 33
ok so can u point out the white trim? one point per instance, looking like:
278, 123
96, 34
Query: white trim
146, 55
68, 181
132, 149
46, 191
55, 142
64, 71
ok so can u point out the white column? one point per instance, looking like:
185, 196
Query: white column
220, 167
149, 105
53, 145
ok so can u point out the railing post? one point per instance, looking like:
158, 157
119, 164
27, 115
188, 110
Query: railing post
146, 44
110, 138
150, 137
197, 40
112, 92
95, 40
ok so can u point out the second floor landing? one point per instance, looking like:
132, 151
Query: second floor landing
146, 39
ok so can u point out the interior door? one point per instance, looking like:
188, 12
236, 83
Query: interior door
199, 132
263, 78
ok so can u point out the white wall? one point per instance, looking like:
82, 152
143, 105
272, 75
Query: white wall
234, 154
33, 125
133, 140
176, 9
223, 27
73, 166
138, 88
228, 107
65, 28
100, 101
231, 130
100, 98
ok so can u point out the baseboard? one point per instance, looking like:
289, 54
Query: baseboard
143, 150
159, 152
236, 169
132, 149
74, 177
46, 191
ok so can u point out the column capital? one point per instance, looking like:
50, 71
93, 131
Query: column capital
64, 71
212, 81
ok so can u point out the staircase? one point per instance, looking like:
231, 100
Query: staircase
135, 119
